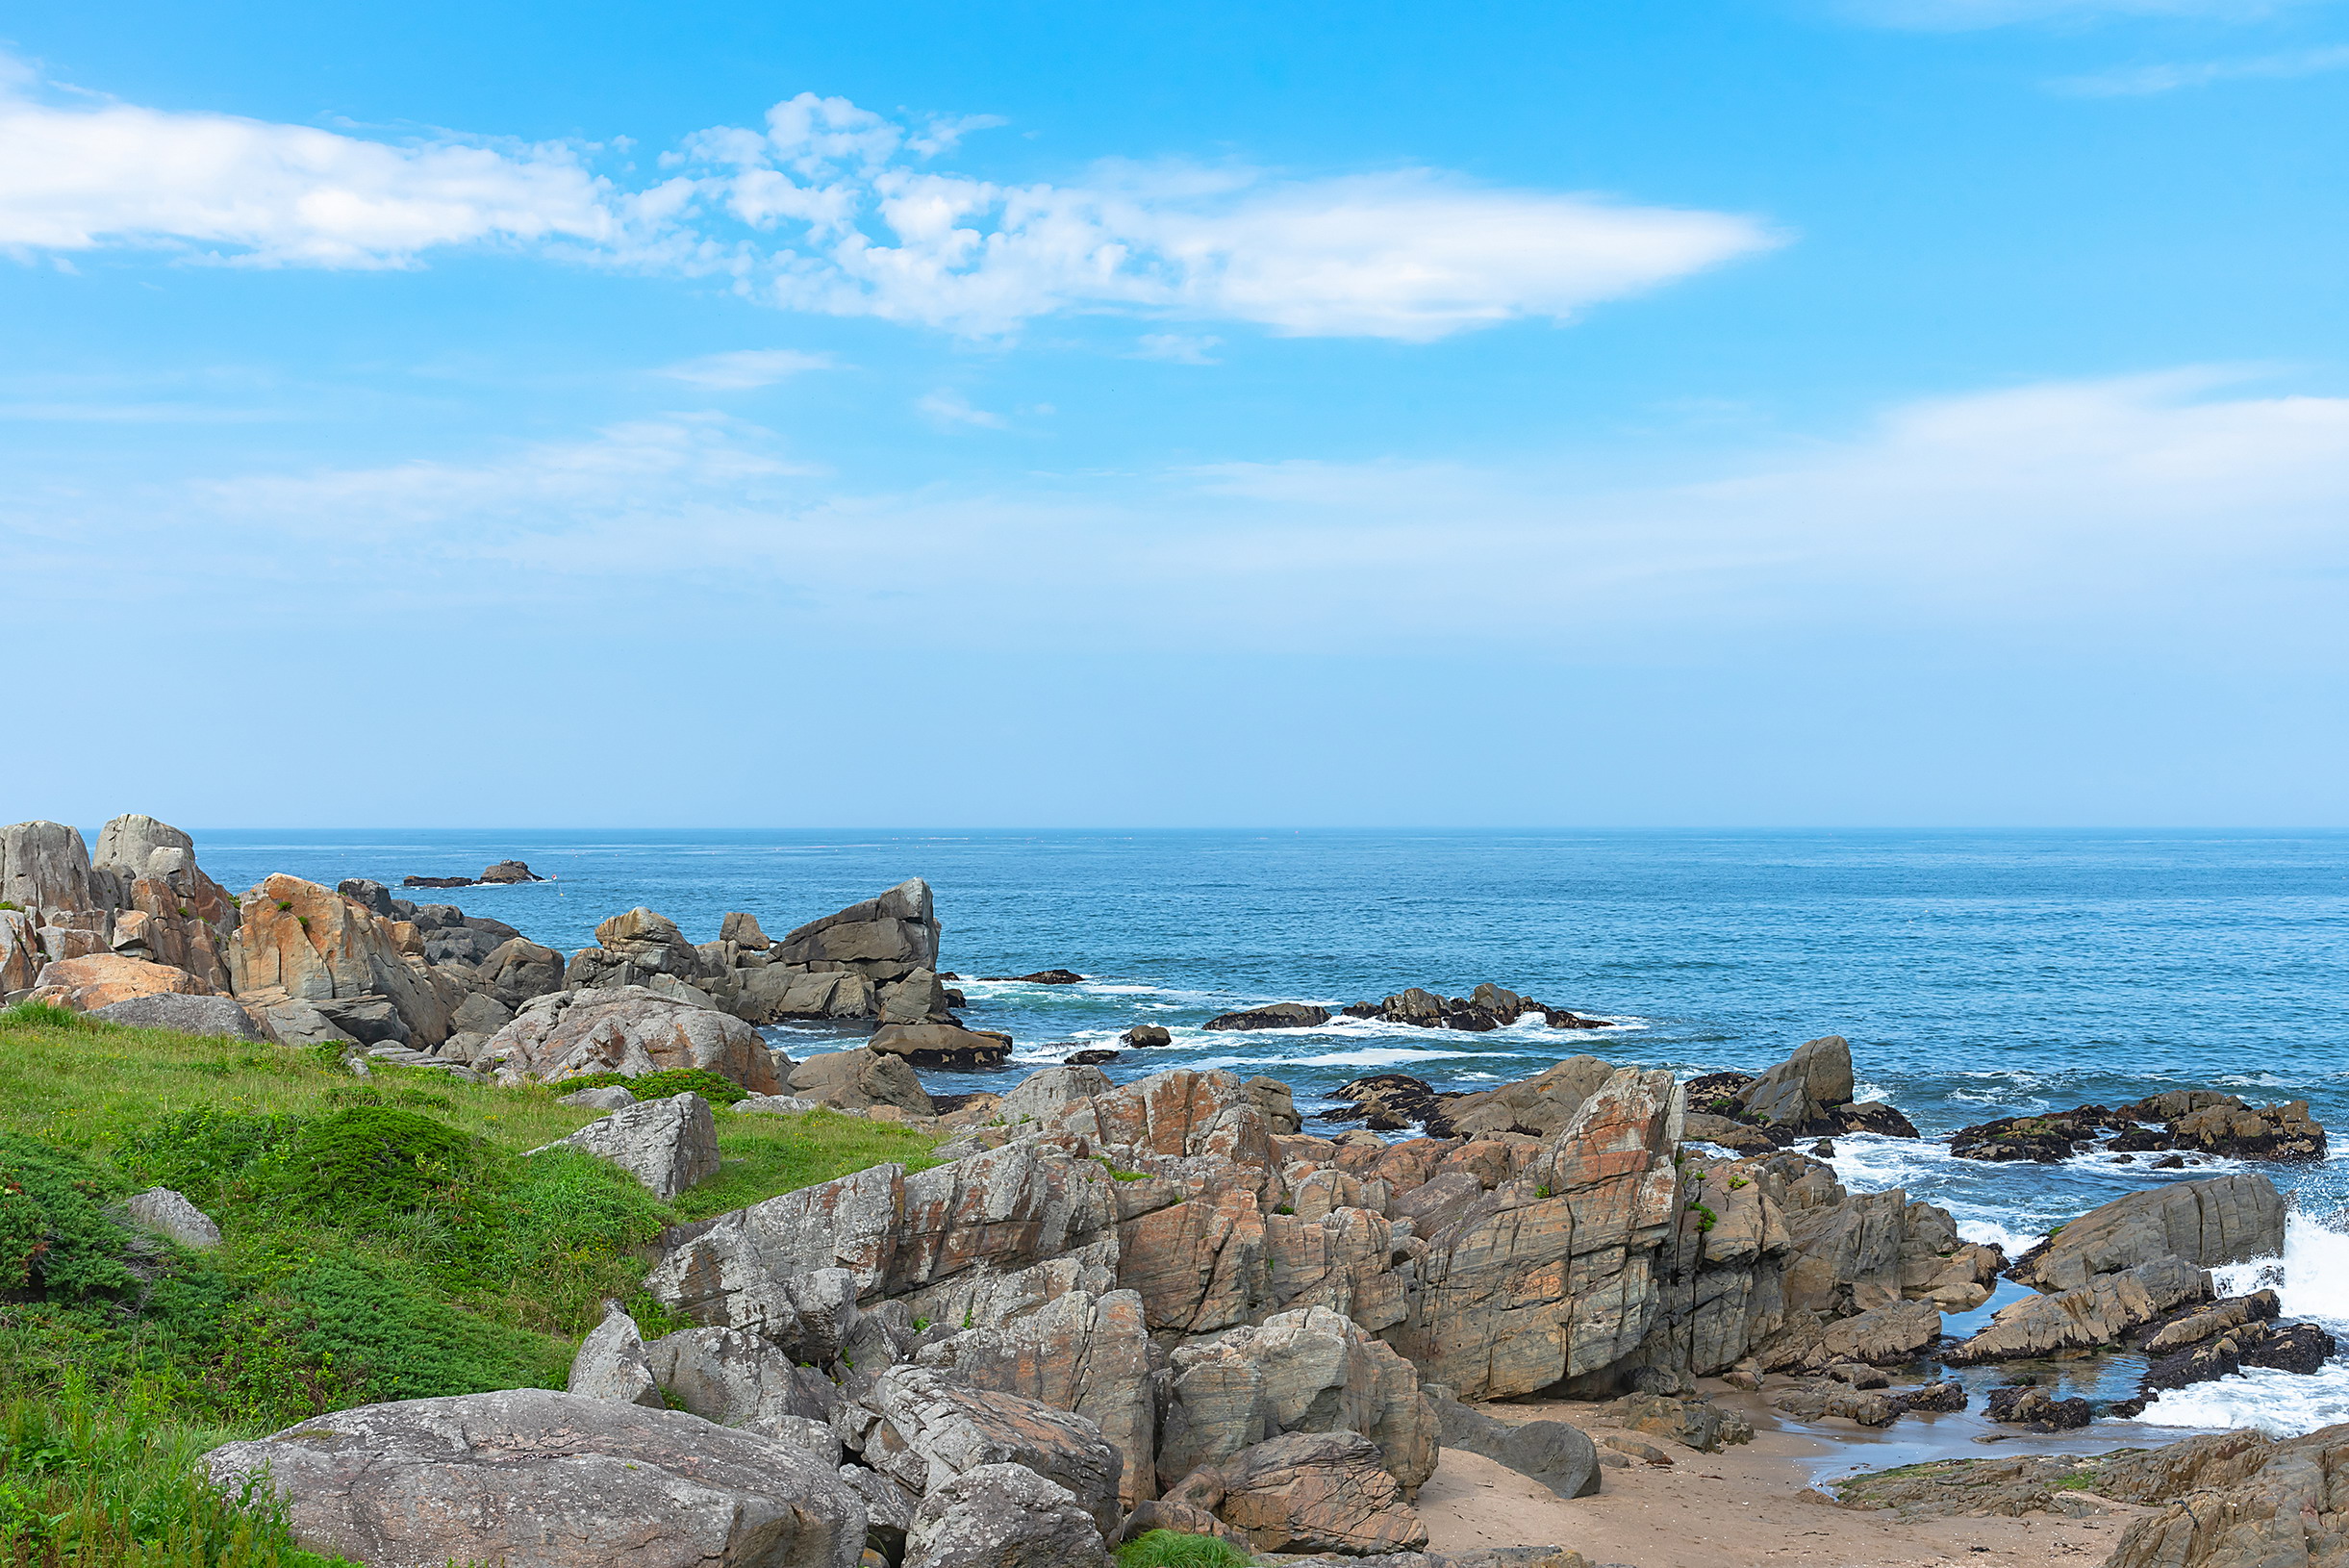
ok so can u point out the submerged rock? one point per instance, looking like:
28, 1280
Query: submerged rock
1280, 1015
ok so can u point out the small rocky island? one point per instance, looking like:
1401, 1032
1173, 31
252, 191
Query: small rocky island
1109, 1309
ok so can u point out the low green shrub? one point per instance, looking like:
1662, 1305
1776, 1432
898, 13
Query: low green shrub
676, 1081
375, 1159
56, 1238
1172, 1549
45, 1015
200, 1153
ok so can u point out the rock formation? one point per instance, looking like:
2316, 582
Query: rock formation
2196, 1120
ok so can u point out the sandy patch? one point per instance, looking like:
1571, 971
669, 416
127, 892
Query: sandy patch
1743, 1507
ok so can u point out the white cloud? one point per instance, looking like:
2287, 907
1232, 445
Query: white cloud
745, 370
951, 408
2142, 80
833, 209
76, 178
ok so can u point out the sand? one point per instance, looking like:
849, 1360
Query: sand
1744, 1507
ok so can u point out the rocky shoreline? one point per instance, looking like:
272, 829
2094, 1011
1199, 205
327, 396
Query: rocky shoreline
1165, 1305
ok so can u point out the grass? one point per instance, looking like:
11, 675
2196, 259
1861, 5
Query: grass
1172, 1549
387, 1238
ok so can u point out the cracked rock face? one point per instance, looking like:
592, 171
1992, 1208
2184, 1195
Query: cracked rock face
669, 1145
629, 1030
533, 1478
1317, 1492
1001, 1516
2228, 1218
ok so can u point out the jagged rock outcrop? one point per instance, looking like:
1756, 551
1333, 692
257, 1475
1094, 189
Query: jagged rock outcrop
922, 1429
1807, 1096
144, 898
886, 938
2238, 1500
302, 942
1323, 1491
630, 1030
1082, 1353
1002, 1516
1309, 1370
2095, 1313
542, 1479
2229, 1219
669, 1145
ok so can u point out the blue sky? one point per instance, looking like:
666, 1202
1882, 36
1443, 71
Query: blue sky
1892, 411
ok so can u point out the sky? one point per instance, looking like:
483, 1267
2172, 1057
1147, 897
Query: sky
1795, 413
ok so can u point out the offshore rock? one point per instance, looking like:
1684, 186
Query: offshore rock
2229, 1219
2026, 1405
886, 938
539, 1480
1280, 1015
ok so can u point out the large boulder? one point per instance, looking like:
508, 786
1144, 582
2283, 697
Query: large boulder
1317, 1492
1540, 1104
20, 955
518, 970
944, 1046
1008, 1208
1002, 1516
932, 1428
103, 979
859, 1079
1308, 1370
2229, 1219
43, 866
629, 1030
739, 1379
886, 938
297, 939
669, 1145
182, 1013
1795, 1095
532, 1478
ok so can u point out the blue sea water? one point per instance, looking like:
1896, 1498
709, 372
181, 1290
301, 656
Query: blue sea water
1975, 973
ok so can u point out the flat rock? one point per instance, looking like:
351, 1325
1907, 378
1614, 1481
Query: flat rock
532, 1478
182, 1013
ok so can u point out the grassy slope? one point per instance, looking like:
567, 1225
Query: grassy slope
477, 1271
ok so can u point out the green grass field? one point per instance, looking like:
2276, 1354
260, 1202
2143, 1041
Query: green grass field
382, 1238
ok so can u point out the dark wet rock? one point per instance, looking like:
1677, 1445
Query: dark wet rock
2028, 1404
1091, 1058
1933, 1398
1486, 1008
1280, 1015
2192, 1121
1043, 977
1807, 1096
507, 871
1390, 1103
1142, 1035
2285, 1347
436, 882
2097, 1313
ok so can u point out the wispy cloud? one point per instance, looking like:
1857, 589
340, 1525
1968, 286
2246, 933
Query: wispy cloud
745, 370
2158, 507
951, 408
1955, 15
1178, 348
2143, 80
830, 208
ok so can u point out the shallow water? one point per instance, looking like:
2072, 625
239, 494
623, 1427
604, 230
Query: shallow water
1976, 975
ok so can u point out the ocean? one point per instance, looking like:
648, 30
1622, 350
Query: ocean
1977, 974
